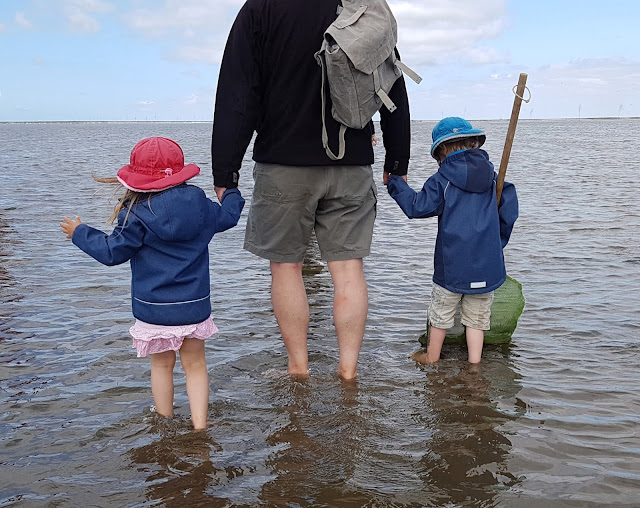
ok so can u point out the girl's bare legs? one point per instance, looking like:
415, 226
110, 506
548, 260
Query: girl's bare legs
436, 339
195, 367
475, 339
162, 381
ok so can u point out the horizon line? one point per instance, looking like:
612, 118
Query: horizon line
413, 120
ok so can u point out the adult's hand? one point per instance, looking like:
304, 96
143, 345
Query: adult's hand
219, 192
385, 177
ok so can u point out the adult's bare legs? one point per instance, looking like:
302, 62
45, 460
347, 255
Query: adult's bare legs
162, 381
290, 305
350, 307
193, 362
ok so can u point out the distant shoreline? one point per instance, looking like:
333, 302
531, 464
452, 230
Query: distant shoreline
210, 121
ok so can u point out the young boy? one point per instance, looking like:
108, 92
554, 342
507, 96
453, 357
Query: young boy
472, 231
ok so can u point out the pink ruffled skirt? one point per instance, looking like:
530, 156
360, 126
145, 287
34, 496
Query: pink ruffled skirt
149, 339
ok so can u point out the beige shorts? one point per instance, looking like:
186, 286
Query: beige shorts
290, 202
475, 309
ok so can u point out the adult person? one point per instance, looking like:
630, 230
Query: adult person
270, 83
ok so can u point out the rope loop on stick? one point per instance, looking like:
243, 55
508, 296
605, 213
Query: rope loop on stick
526, 89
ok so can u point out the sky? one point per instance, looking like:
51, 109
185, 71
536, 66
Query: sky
158, 60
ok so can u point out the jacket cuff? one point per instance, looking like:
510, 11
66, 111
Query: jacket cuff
394, 184
74, 233
398, 167
233, 190
227, 180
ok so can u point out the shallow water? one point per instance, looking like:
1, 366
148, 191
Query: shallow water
551, 419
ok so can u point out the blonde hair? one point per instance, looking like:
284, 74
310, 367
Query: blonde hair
127, 200
457, 144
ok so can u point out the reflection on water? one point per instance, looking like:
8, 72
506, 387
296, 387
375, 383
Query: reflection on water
467, 448
179, 468
317, 447
330, 450
8, 292
549, 420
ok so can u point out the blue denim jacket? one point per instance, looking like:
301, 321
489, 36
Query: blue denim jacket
471, 230
166, 241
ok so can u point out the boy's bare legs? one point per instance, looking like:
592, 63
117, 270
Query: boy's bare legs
436, 339
350, 307
290, 305
194, 364
162, 365
475, 339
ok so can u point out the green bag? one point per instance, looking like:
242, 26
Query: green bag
507, 307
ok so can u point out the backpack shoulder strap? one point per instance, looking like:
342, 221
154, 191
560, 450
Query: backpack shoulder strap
408, 71
343, 128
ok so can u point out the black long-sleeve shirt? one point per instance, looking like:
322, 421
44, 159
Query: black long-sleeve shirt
270, 83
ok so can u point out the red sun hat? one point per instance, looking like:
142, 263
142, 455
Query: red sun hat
156, 164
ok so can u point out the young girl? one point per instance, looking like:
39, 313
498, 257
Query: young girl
163, 228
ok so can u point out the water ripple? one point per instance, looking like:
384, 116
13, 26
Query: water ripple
548, 420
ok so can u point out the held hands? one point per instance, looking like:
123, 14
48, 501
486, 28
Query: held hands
69, 226
385, 177
219, 192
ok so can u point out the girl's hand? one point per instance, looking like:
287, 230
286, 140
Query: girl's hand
69, 226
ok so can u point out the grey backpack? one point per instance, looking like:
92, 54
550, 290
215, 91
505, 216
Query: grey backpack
359, 66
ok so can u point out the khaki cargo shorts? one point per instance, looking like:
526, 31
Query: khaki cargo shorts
290, 202
475, 309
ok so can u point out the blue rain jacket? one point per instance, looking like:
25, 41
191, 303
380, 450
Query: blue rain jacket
166, 241
471, 230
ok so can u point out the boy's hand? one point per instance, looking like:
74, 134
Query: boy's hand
69, 226
385, 177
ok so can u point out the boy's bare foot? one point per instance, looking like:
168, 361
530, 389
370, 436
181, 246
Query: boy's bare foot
299, 377
422, 357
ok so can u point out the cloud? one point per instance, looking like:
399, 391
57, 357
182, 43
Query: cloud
210, 51
486, 55
441, 30
592, 75
146, 103
21, 20
183, 17
429, 32
2, 28
190, 25
596, 86
586, 87
80, 14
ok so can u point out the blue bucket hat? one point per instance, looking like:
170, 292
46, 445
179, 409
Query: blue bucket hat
453, 127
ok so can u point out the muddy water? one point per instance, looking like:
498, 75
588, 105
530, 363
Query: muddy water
551, 419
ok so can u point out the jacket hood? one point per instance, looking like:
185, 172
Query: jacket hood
176, 214
469, 170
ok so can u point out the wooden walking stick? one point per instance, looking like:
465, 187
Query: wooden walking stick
506, 153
